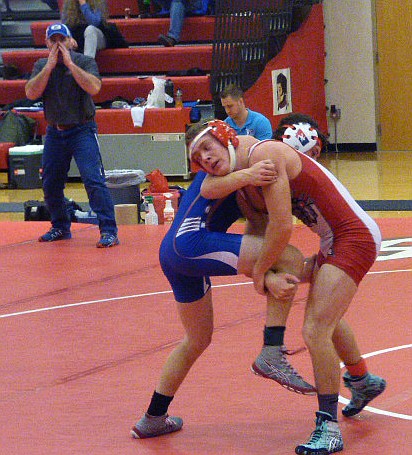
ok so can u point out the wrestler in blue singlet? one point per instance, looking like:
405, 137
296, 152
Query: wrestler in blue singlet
197, 245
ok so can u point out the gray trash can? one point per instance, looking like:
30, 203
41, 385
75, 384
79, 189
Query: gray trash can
124, 186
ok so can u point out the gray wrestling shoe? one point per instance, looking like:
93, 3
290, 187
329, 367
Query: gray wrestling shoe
151, 426
272, 364
363, 391
325, 439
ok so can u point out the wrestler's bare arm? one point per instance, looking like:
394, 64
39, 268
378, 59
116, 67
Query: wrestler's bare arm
260, 174
278, 204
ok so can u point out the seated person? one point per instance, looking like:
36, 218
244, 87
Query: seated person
243, 120
87, 21
178, 10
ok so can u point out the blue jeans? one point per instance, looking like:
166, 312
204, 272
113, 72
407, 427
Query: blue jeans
81, 144
178, 10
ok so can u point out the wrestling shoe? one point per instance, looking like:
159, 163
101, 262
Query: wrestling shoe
363, 391
107, 240
55, 234
150, 426
325, 439
272, 364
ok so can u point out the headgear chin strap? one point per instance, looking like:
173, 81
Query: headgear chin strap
301, 136
224, 134
232, 156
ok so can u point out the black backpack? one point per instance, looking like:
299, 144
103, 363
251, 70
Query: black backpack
16, 128
37, 210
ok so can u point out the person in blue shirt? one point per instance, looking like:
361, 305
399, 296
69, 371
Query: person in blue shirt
84, 19
243, 120
89, 26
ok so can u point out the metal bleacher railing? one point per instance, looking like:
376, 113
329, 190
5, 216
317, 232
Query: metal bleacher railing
248, 33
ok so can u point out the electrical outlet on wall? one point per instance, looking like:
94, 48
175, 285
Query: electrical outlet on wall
335, 113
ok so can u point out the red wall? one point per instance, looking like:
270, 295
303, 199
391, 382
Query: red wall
304, 54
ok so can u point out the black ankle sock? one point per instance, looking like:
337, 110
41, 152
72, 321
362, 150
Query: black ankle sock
159, 404
329, 404
273, 336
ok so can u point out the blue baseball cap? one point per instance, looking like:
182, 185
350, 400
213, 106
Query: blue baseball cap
59, 29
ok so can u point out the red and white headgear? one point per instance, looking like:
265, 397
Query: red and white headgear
301, 136
224, 134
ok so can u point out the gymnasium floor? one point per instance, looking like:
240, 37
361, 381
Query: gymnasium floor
85, 332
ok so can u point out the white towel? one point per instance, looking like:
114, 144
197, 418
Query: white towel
138, 115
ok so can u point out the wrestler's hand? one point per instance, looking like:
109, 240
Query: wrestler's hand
262, 173
282, 286
259, 282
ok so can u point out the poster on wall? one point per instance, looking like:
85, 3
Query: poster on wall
281, 87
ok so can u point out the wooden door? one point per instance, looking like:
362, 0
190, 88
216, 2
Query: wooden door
394, 73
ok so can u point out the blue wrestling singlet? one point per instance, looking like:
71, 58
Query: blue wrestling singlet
197, 245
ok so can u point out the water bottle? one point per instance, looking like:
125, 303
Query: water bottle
169, 212
179, 98
144, 206
151, 216
169, 93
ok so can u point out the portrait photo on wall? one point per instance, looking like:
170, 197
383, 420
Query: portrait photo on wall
282, 96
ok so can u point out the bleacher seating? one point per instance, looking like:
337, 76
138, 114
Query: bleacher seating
117, 7
119, 121
126, 73
137, 60
146, 31
194, 87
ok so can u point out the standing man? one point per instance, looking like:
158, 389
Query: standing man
67, 81
244, 121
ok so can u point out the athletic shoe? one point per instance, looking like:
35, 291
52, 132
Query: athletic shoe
325, 439
150, 426
363, 390
272, 364
55, 234
166, 40
107, 240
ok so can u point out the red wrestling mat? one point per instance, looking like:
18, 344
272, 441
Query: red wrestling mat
85, 332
